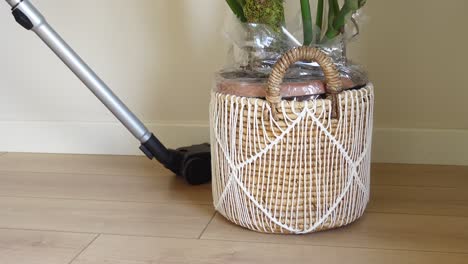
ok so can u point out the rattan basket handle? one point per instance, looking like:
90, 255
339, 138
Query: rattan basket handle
333, 80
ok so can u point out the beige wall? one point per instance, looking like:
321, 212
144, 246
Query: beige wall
159, 55
417, 55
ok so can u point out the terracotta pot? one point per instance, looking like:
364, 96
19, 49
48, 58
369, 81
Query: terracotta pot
241, 87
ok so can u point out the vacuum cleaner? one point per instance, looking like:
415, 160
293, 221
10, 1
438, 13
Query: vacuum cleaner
193, 163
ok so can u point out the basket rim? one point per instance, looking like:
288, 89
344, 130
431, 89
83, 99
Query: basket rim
288, 103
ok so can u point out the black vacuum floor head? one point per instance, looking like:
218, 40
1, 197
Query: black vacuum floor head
192, 163
196, 164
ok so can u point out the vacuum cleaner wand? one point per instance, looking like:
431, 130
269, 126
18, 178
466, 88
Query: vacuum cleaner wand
192, 163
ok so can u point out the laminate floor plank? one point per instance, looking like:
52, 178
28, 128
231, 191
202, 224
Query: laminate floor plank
158, 188
82, 164
137, 250
126, 218
39, 247
373, 230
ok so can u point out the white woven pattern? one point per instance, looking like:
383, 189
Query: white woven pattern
303, 174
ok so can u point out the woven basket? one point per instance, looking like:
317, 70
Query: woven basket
292, 167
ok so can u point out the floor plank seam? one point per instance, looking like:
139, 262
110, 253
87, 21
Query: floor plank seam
101, 233
397, 213
104, 200
391, 213
141, 175
84, 248
207, 225
236, 241
88, 174
416, 186
371, 211
334, 246
47, 230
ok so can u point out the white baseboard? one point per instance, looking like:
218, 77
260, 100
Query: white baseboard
421, 146
92, 138
416, 146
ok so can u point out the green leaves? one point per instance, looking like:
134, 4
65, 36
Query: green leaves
349, 7
237, 7
271, 12
340, 17
307, 22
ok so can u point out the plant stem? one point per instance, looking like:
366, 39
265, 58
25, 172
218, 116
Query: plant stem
349, 7
307, 22
362, 3
333, 10
335, 7
319, 18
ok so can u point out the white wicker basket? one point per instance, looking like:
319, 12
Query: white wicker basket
292, 167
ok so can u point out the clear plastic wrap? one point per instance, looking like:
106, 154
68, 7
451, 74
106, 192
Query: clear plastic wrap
255, 48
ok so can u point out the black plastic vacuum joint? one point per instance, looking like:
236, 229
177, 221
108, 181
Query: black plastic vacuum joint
22, 19
153, 148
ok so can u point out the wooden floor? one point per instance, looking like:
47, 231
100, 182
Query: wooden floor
58, 209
